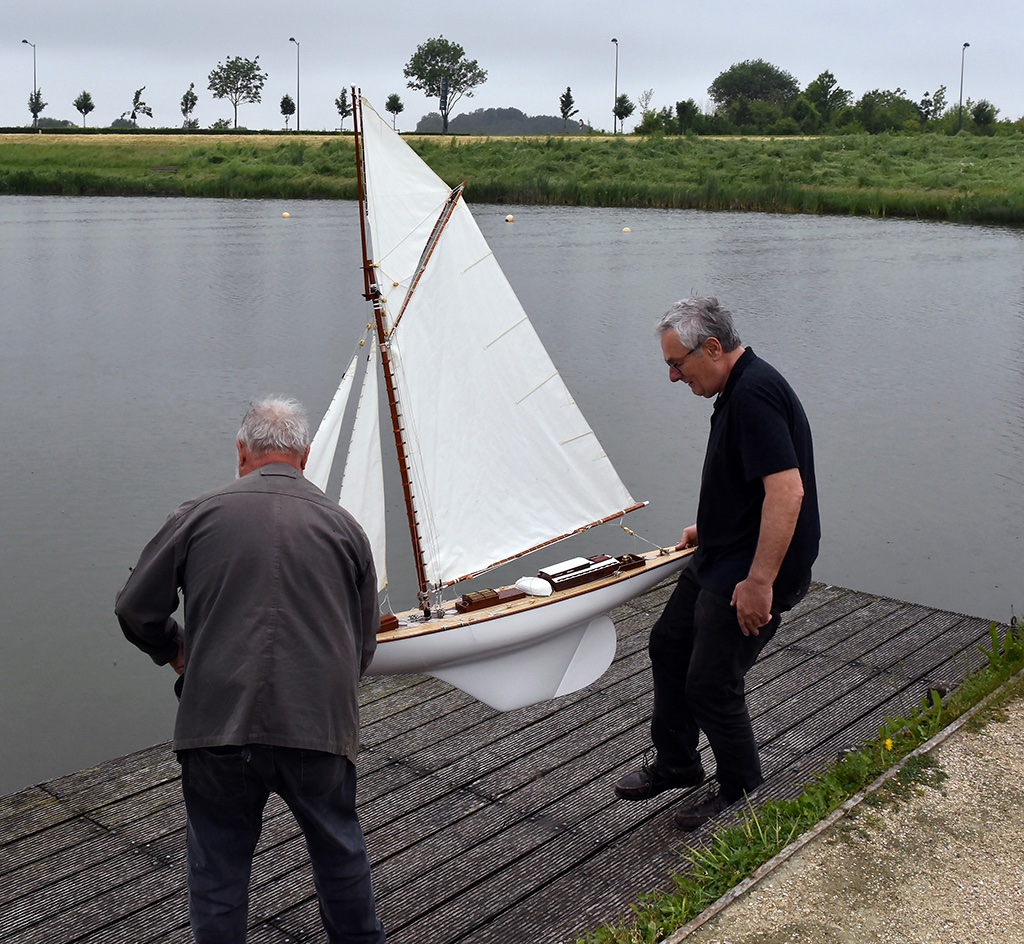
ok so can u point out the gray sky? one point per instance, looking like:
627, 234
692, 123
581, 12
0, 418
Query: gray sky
531, 49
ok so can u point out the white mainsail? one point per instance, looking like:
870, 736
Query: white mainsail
501, 460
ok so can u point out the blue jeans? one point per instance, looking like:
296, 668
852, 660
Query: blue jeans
699, 659
226, 790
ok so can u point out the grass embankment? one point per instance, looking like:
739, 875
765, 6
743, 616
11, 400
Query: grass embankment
708, 872
963, 179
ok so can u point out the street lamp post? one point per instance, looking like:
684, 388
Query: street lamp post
960, 120
298, 93
615, 100
35, 85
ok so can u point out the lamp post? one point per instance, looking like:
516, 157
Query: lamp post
960, 120
35, 85
298, 94
615, 100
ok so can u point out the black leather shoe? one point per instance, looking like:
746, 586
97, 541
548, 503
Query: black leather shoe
695, 815
651, 780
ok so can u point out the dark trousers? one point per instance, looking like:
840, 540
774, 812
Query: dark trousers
699, 658
226, 790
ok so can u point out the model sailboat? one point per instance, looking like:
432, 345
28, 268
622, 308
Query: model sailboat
496, 460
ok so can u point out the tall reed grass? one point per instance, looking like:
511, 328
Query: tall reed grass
962, 178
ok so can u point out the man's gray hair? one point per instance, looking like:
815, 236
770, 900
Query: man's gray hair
698, 318
275, 424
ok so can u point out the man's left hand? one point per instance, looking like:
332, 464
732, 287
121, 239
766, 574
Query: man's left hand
753, 602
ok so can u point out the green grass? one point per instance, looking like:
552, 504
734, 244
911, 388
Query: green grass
964, 179
707, 872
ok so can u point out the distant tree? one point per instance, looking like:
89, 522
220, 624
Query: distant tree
623, 108
756, 81
56, 123
439, 68
344, 108
656, 121
886, 110
139, 107
827, 97
188, 103
36, 105
83, 105
239, 81
983, 113
566, 109
394, 107
287, 109
645, 99
805, 115
221, 124
687, 114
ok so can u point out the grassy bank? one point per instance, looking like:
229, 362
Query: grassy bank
962, 179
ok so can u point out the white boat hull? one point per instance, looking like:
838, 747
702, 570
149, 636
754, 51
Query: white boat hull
522, 652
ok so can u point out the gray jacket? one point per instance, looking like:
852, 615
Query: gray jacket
280, 620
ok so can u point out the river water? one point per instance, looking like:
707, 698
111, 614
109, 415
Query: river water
134, 331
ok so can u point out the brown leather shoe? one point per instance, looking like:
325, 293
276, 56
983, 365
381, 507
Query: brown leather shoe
695, 815
651, 780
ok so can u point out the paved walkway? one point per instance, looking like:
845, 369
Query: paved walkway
941, 862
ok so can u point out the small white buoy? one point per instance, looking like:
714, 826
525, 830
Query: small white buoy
286, 216
626, 229
510, 218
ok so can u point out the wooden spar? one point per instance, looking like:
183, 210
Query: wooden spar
543, 544
371, 291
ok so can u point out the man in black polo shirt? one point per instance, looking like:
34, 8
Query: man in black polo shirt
758, 530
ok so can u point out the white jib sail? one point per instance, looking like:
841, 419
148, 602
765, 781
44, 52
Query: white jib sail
501, 458
323, 448
362, 484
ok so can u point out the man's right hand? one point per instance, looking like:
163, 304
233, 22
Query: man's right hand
689, 538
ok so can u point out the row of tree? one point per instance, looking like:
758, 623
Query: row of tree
750, 97
756, 97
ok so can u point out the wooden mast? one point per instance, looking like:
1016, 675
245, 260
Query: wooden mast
371, 291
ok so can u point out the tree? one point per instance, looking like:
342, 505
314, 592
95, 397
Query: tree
687, 114
623, 108
983, 113
566, 109
83, 105
188, 103
439, 68
36, 105
287, 109
827, 97
344, 109
886, 110
139, 107
239, 81
754, 80
394, 106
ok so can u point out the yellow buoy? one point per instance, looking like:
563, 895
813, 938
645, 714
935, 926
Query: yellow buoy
510, 218
286, 216
626, 229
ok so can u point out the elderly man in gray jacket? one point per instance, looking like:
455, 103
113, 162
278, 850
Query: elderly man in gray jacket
280, 624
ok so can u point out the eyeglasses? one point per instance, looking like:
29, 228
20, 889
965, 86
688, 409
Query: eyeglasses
677, 366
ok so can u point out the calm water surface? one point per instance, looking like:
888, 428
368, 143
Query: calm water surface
134, 331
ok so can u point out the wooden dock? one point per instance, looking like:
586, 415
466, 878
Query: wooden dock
483, 828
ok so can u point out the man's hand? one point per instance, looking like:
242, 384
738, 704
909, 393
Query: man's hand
689, 538
753, 602
178, 662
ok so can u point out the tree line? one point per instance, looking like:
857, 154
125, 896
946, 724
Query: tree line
750, 97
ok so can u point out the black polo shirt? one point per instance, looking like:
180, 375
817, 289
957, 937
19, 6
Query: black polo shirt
758, 428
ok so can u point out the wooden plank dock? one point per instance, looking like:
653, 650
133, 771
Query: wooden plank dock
483, 828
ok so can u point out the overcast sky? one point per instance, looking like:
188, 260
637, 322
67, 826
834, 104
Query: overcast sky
531, 50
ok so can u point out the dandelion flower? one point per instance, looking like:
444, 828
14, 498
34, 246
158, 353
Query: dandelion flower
888, 744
